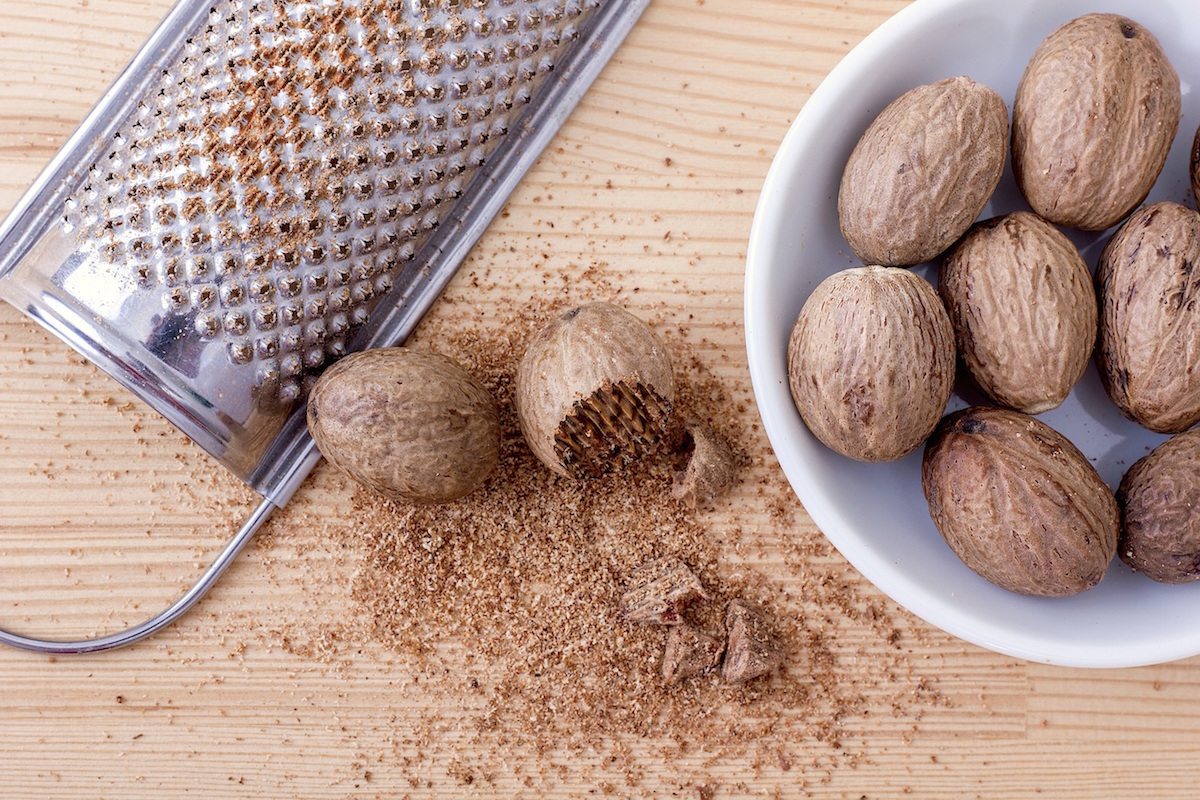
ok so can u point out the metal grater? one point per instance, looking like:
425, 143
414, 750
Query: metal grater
272, 184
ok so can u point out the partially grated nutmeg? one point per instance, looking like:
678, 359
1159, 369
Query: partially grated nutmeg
594, 391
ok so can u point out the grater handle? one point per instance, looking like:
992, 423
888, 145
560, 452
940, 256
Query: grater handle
164, 617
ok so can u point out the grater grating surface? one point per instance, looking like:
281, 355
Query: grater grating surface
271, 184
277, 179
275, 183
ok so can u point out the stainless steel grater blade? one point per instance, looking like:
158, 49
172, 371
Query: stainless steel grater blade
271, 184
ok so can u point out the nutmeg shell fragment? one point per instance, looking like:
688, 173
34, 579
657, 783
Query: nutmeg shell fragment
752, 648
689, 652
710, 467
658, 592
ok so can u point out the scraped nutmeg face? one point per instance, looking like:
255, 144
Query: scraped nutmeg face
594, 391
618, 424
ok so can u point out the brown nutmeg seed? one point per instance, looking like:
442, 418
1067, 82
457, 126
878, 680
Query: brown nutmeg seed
922, 172
594, 391
1160, 511
1094, 116
414, 426
1018, 503
1195, 166
871, 362
1148, 349
1024, 311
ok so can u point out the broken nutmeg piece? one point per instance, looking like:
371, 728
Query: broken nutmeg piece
751, 648
658, 590
711, 467
689, 652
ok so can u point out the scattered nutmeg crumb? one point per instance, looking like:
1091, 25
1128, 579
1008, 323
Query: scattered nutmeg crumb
711, 470
426, 578
752, 649
658, 590
690, 652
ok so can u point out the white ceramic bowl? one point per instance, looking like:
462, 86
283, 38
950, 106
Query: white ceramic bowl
876, 514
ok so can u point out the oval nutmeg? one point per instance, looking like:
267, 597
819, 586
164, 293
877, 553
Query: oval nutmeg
1018, 503
594, 390
922, 172
1094, 116
412, 425
1148, 288
1021, 300
1160, 511
871, 362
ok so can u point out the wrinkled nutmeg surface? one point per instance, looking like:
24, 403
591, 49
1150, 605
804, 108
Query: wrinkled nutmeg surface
1095, 113
922, 172
1023, 307
871, 362
594, 390
1148, 286
1018, 503
1160, 511
1194, 166
412, 425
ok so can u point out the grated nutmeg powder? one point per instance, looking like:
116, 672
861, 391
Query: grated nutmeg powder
504, 610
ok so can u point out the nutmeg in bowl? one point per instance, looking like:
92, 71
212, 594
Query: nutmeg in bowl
876, 514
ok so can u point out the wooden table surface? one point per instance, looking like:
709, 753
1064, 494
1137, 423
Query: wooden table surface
107, 513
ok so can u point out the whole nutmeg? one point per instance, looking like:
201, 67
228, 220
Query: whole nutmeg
1095, 113
1021, 300
414, 426
1018, 503
1160, 511
871, 362
922, 172
594, 390
1149, 332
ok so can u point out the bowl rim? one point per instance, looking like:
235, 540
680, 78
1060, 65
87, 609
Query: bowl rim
765, 379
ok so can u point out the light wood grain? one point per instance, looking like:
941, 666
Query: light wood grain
107, 513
